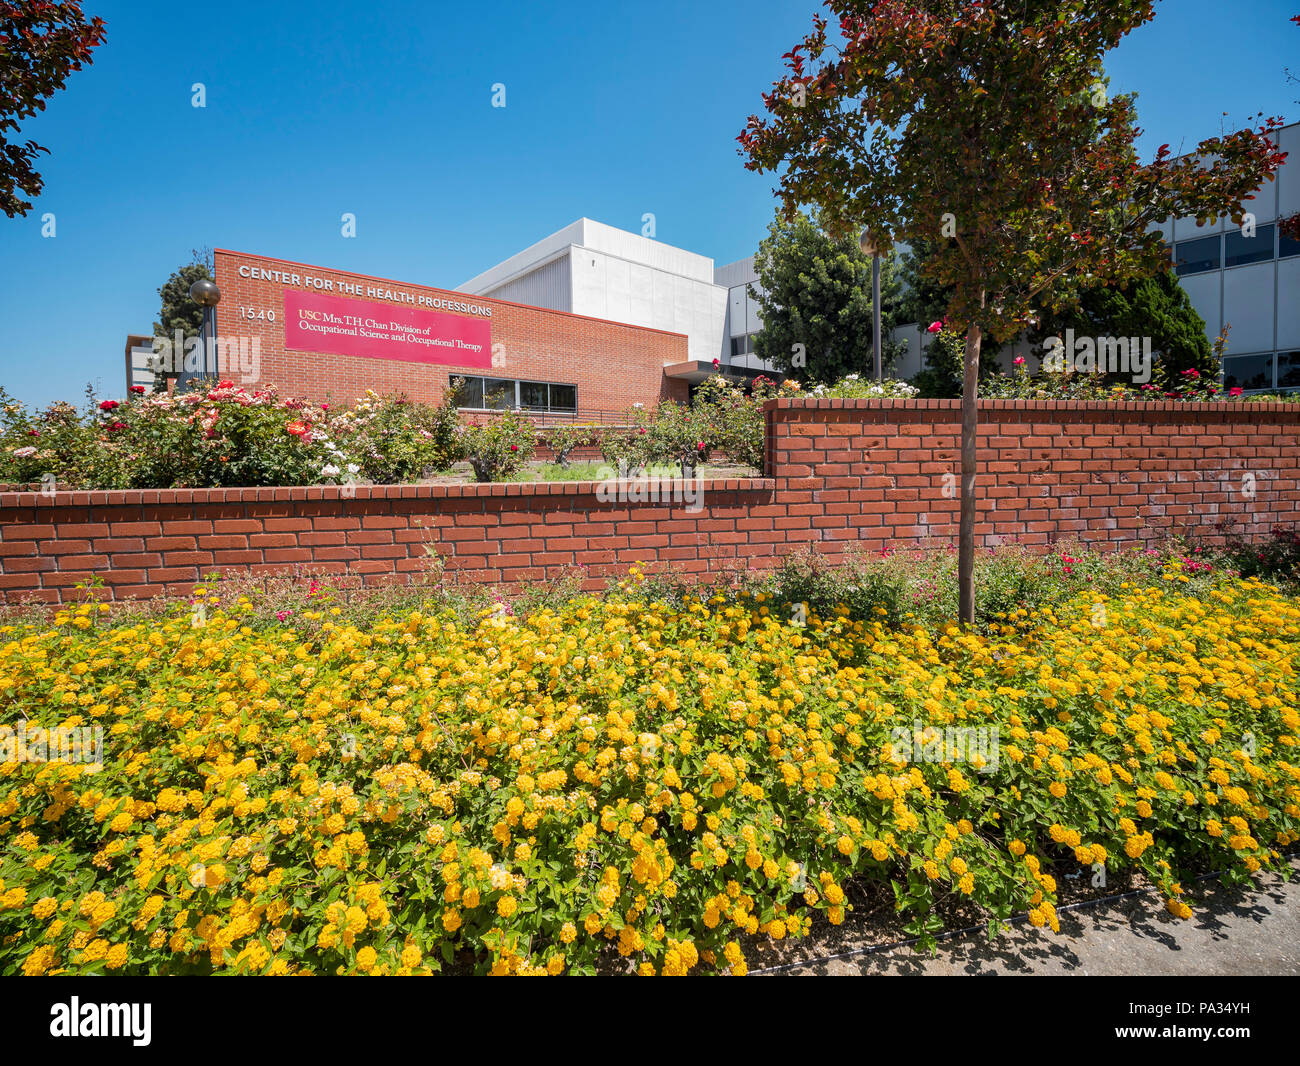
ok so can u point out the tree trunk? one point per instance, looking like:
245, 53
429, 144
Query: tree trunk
969, 422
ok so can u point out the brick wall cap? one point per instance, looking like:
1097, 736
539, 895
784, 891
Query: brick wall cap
1272, 411
296, 493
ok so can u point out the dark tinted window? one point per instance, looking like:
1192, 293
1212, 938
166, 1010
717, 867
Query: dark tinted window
564, 397
1239, 250
1248, 372
1288, 370
532, 394
1195, 257
471, 393
1287, 246
498, 393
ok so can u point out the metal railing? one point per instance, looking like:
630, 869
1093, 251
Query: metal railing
544, 416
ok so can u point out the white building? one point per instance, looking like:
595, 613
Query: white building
140, 362
1249, 282
589, 268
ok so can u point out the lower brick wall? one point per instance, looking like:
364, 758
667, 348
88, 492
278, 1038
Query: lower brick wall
839, 474
148, 543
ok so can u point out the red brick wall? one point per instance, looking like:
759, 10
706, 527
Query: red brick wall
888, 471
840, 473
613, 365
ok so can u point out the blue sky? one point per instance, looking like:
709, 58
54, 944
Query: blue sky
613, 109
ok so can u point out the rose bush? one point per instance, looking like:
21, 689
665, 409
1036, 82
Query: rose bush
391, 439
497, 447
565, 438
854, 387
222, 435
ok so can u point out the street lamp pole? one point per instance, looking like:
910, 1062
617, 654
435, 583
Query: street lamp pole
868, 245
875, 313
206, 294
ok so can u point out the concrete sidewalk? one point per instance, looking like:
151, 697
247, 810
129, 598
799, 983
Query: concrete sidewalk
1253, 930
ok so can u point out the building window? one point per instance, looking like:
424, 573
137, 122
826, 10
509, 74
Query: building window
1286, 246
1288, 370
564, 398
1196, 257
742, 345
1239, 250
471, 393
502, 394
533, 395
1251, 372
499, 394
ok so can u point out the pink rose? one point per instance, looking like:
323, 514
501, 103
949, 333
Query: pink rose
934, 327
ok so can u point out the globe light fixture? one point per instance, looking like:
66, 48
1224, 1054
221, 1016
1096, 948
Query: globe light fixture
205, 293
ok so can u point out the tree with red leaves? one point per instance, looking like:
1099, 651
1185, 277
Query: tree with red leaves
984, 128
40, 44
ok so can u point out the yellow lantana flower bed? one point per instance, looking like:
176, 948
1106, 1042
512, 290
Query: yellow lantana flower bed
617, 777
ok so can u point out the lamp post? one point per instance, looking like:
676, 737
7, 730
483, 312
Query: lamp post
868, 245
206, 294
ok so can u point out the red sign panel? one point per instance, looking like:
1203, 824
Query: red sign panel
317, 322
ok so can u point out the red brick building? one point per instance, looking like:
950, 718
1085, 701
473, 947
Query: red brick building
330, 334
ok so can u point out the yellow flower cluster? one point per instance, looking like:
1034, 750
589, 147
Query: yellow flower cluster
617, 779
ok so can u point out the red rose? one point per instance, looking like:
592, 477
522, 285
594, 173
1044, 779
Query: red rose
137, 388
297, 429
108, 405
